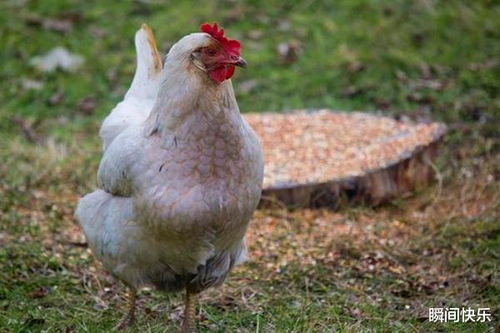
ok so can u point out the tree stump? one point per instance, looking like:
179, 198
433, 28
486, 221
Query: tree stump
324, 158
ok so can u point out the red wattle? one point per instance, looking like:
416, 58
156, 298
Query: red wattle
222, 73
229, 72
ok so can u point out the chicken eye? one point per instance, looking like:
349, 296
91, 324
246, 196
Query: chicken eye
211, 52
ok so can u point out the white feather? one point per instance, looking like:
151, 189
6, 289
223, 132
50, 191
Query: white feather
140, 97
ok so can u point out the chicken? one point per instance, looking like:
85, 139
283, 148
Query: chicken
178, 180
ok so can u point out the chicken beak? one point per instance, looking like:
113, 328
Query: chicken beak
240, 62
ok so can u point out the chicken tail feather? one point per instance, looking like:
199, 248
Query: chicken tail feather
149, 64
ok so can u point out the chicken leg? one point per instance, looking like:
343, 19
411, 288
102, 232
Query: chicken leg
129, 317
188, 325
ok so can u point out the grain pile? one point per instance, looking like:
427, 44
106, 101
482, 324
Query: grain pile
321, 157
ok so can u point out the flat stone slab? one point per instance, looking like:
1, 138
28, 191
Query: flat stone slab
317, 157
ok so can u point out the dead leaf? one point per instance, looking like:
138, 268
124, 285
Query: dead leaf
56, 98
255, 34
86, 105
289, 51
27, 129
177, 314
99, 303
40, 292
55, 24
355, 66
351, 91
56, 58
284, 25
29, 84
355, 313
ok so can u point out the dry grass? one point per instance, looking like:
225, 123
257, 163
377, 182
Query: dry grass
309, 270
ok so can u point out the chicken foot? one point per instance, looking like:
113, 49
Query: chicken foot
129, 317
188, 325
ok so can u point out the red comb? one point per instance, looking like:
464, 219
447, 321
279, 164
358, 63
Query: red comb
231, 45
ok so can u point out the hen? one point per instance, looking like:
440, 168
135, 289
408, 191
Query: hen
181, 172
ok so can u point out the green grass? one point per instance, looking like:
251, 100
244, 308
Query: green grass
421, 59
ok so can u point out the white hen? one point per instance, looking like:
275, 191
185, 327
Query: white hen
178, 183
